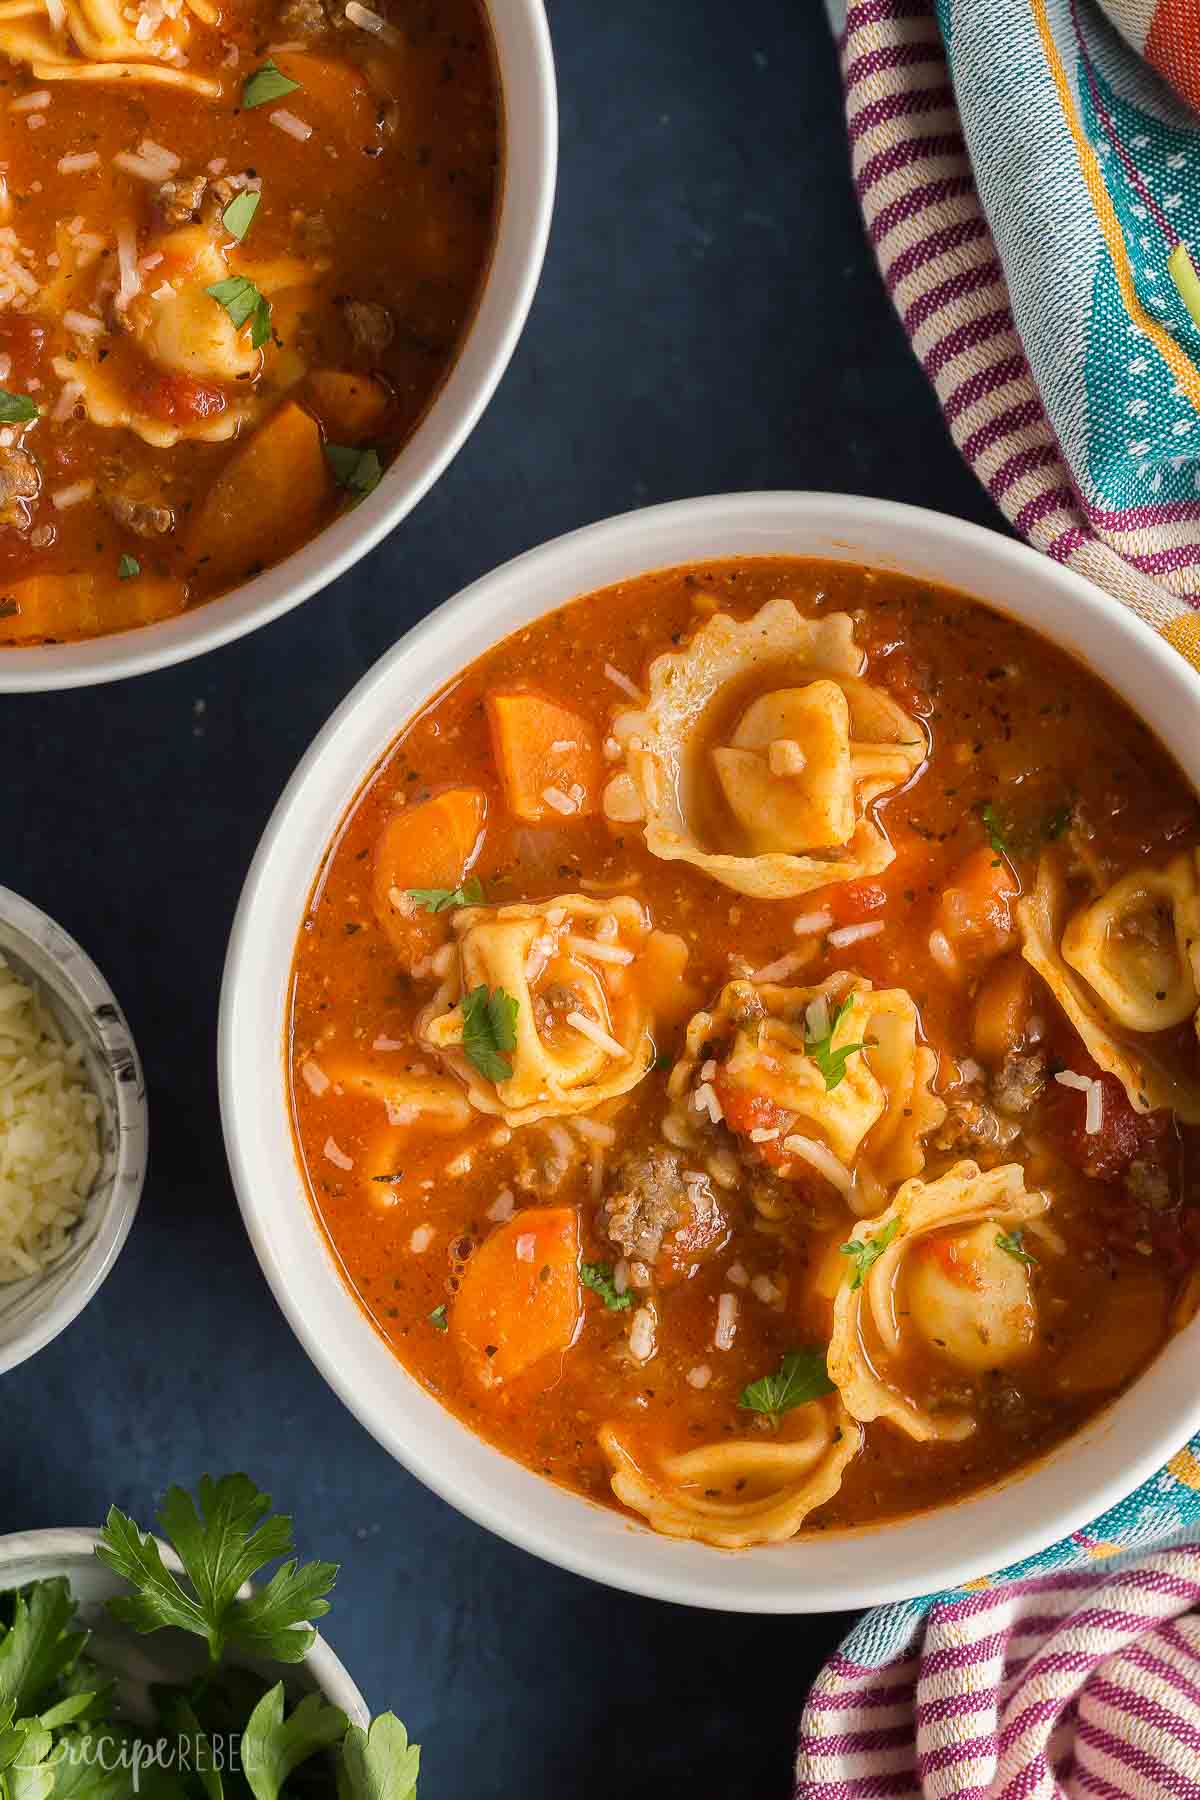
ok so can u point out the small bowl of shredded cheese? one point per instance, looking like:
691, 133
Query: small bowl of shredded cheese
72, 1129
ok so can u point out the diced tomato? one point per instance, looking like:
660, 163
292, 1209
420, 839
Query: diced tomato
855, 901
179, 400
746, 1111
1124, 1134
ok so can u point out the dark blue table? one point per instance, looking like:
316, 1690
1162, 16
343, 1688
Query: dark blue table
709, 318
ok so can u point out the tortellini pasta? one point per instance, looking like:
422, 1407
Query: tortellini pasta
1122, 968
101, 41
942, 1285
586, 976
830, 1077
760, 752
739, 1491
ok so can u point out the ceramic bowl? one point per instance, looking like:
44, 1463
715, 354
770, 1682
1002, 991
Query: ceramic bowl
39, 951
823, 1571
526, 73
133, 1660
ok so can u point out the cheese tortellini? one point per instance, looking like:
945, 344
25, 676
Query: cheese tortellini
587, 977
760, 752
739, 1491
102, 42
830, 1077
1122, 968
936, 1289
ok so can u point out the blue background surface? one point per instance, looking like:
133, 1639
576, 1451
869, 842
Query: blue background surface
710, 318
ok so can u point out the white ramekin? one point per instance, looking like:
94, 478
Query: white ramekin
135, 1660
526, 68
821, 1572
33, 1312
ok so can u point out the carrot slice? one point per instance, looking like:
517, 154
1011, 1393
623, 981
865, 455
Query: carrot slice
80, 605
349, 406
432, 845
541, 749
332, 88
976, 907
521, 1300
266, 500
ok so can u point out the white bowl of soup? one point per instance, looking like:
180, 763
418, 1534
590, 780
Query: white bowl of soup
259, 277
708, 1055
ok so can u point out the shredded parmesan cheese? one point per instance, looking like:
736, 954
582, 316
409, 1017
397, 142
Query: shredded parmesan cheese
809, 924
366, 20
621, 681
526, 1246
779, 971
501, 1207
315, 1077
642, 1335
83, 324
853, 934
700, 1376
71, 496
421, 1239
588, 1028
337, 1157
287, 121
726, 1331
79, 162
820, 1159
607, 953
562, 803
31, 102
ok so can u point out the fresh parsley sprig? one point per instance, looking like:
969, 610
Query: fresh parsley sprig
489, 1029
438, 900
222, 1544
830, 1062
242, 301
1011, 1244
599, 1277
801, 1377
357, 469
996, 835
266, 83
16, 409
866, 1253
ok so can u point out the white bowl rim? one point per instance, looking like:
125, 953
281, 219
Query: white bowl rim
132, 1120
71, 1544
718, 1580
530, 112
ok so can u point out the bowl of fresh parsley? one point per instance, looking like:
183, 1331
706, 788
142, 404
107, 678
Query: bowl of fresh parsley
176, 1667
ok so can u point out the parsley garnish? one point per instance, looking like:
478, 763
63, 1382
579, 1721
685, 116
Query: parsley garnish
380, 1763
242, 301
599, 1277
266, 83
1010, 1243
273, 1746
995, 831
489, 1027
127, 568
437, 1318
867, 1254
831, 1062
1058, 822
239, 214
358, 471
437, 900
221, 1545
16, 409
802, 1377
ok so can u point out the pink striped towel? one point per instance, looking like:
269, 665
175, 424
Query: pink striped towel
1078, 1685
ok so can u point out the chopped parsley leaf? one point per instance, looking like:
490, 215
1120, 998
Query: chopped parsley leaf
437, 1318
867, 1253
1058, 822
16, 409
1010, 1243
489, 1028
358, 471
242, 301
265, 84
437, 900
802, 1377
831, 1062
995, 831
128, 567
239, 214
599, 1277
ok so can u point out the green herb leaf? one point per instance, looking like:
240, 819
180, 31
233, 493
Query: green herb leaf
28, 1775
831, 1062
1010, 1243
1058, 822
379, 1764
193, 1748
273, 1746
358, 471
489, 1028
265, 84
128, 567
599, 1277
38, 1646
242, 301
221, 1546
239, 214
662, 1062
867, 1253
437, 900
802, 1377
995, 831
437, 1318
16, 409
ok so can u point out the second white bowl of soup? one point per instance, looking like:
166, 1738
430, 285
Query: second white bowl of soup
276, 266
736, 1055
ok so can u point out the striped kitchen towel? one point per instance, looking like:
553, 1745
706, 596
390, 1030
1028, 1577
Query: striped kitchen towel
1030, 186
